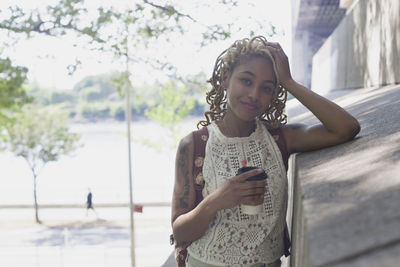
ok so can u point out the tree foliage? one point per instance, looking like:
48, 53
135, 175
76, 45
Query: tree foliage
12, 94
131, 31
40, 135
102, 81
174, 105
107, 28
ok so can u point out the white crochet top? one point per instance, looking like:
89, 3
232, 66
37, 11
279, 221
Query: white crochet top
234, 238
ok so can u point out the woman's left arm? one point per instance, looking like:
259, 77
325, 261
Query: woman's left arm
337, 125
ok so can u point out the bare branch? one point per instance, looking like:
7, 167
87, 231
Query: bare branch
170, 10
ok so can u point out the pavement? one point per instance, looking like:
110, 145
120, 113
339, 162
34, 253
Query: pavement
69, 237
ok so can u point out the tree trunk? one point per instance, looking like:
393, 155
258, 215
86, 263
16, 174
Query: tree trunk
35, 199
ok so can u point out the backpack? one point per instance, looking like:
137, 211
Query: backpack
200, 138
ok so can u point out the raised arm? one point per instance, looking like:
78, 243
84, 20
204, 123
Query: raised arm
337, 126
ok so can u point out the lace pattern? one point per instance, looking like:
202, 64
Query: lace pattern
234, 238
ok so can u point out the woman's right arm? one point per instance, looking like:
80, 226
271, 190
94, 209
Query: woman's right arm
189, 223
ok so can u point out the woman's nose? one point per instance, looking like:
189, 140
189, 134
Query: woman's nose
253, 93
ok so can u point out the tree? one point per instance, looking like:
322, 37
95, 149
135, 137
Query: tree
151, 25
101, 81
40, 135
103, 27
173, 106
12, 94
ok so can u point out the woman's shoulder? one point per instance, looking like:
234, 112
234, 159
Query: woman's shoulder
278, 135
286, 130
193, 138
273, 129
186, 144
188, 138
203, 131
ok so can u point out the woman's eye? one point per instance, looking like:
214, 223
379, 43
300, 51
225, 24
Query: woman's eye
267, 89
245, 81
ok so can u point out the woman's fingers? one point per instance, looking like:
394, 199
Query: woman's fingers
274, 44
242, 177
254, 191
281, 61
251, 188
237, 189
275, 49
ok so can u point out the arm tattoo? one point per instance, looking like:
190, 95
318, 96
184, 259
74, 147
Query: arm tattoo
183, 169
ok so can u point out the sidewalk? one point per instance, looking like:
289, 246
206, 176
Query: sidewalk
68, 237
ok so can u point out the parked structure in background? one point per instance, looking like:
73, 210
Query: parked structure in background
313, 22
346, 44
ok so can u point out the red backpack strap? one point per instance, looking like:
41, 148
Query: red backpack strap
200, 138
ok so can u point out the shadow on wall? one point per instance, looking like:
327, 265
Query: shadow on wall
363, 51
373, 32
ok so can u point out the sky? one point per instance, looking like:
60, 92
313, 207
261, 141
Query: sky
47, 58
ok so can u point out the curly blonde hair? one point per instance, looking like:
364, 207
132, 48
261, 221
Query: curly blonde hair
240, 51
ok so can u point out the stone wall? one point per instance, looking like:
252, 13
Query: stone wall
346, 202
363, 51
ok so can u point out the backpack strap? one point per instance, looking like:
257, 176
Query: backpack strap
200, 138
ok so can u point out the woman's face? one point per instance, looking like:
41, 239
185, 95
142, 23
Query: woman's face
250, 88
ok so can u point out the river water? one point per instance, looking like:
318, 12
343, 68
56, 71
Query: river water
101, 164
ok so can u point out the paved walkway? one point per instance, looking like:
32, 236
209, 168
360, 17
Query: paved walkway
68, 237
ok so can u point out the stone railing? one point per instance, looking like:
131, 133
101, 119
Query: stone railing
346, 198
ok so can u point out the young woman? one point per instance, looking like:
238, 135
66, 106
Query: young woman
246, 125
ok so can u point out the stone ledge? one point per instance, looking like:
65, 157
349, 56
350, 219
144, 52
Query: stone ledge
348, 195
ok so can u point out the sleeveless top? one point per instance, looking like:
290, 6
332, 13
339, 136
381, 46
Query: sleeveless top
234, 238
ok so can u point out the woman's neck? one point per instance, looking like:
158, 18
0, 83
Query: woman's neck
232, 126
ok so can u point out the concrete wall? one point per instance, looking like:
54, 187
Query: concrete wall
301, 58
363, 51
346, 202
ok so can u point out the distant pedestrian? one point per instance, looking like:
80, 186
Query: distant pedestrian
89, 203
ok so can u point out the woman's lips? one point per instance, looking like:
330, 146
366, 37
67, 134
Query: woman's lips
249, 106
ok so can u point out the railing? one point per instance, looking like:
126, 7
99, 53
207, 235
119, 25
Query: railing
80, 206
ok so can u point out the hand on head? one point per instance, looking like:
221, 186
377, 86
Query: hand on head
281, 61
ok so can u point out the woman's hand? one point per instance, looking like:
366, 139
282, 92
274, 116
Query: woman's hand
237, 191
337, 126
281, 61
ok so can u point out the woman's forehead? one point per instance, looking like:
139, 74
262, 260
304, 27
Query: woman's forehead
256, 65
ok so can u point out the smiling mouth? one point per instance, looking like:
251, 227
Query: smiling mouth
249, 106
